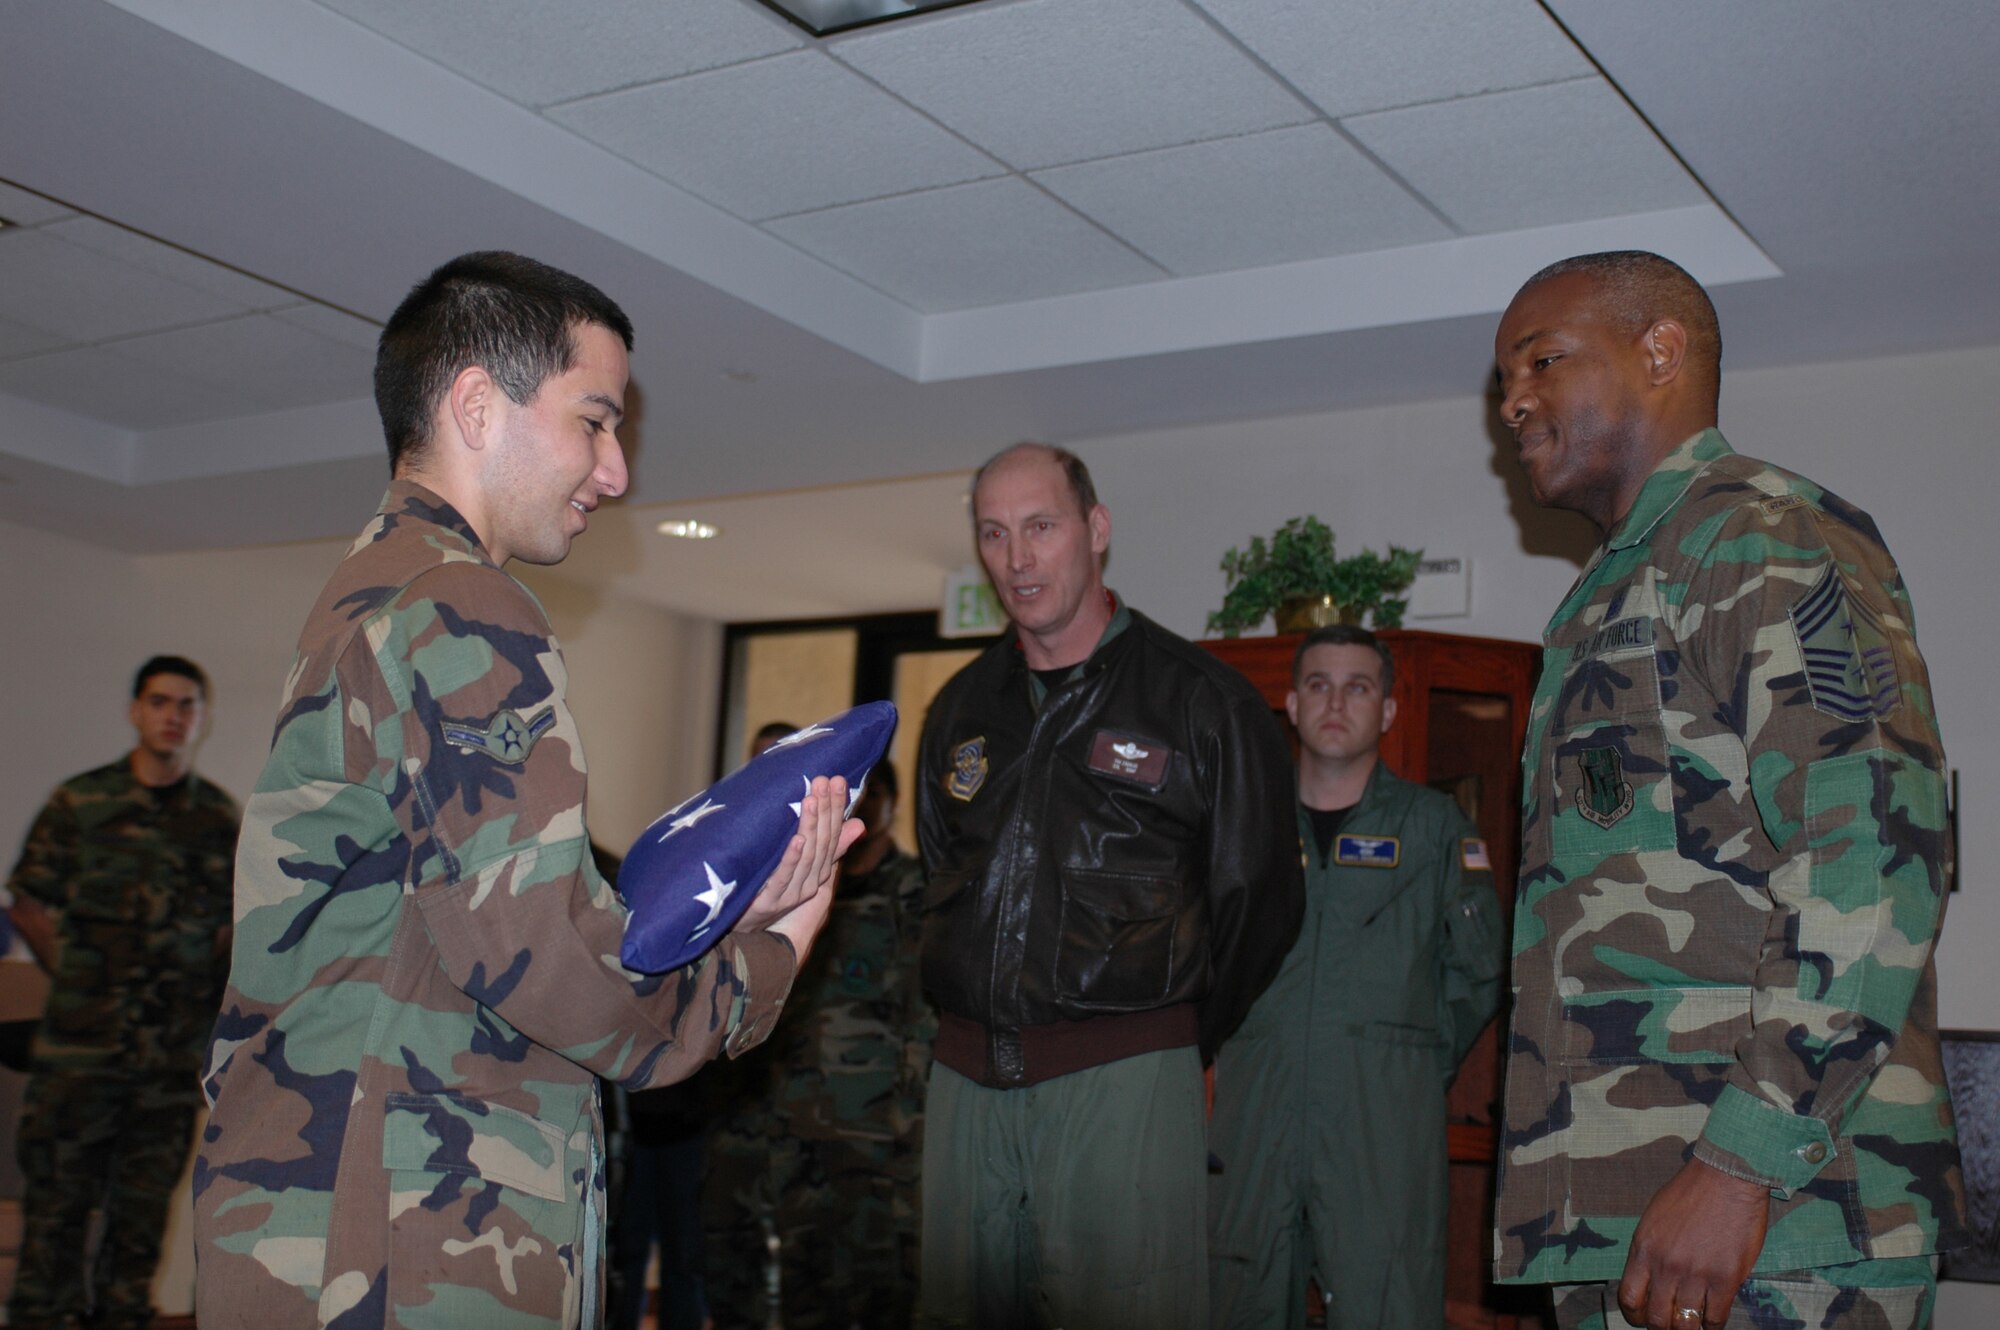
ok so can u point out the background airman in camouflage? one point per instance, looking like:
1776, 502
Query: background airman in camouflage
1724, 1055
404, 1126
826, 1145
122, 893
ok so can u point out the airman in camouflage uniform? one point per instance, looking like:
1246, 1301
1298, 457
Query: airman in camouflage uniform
1724, 1068
404, 1127
126, 872
829, 1151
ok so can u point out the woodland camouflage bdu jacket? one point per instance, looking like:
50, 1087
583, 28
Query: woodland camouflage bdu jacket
426, 978
1732, 864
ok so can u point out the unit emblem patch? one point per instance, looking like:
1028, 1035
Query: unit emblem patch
507, 738
968, 770
1368, 851
1604, 796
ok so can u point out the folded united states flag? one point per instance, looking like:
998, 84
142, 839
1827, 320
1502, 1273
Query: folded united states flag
691, 875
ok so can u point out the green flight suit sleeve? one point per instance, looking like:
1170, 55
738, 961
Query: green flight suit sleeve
1798, 623
1475, 945
522, 921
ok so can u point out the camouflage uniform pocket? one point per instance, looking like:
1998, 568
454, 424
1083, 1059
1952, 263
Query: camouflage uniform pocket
1613, 790
1677, 1026
485, 1212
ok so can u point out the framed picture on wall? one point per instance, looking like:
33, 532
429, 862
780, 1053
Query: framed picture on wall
1972, 1069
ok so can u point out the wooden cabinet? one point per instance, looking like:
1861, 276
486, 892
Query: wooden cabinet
1461, 719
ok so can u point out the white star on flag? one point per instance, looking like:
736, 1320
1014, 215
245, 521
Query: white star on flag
717, 893
800, 736
687, 820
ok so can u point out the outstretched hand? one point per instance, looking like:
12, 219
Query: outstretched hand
793, 902
1694, 1247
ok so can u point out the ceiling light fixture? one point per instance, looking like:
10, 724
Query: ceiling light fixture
689, 529
822, 17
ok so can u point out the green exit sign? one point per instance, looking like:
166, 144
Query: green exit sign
970, 607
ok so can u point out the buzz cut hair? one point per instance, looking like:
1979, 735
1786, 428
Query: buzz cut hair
1081, 487
511, 315
1638, 288
1344, 635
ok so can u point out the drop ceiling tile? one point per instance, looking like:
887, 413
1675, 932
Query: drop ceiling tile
99, 384
1351, 56
18, 339
537, 53
49, 284
149, 255
1535, 157
336, 324
264, 363
790, 134
1053, 81
25, 209
980, 244
1276, 197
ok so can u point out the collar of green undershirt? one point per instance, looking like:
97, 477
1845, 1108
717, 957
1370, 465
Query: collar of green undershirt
1121, 618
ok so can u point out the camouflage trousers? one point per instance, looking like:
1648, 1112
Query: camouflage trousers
91, 1138
844, 1213
1866, 1295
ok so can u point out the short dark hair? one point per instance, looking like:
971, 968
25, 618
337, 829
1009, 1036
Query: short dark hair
1075, 472
510, 314
1638, 288
180, 665
1345, 635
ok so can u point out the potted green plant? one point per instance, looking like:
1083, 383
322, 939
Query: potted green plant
1296, 576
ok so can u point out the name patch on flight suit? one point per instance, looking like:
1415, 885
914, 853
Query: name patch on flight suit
1138, 760
1368, 851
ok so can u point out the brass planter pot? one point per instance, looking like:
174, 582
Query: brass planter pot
1302, 614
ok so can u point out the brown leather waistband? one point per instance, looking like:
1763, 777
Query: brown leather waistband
1006, 1059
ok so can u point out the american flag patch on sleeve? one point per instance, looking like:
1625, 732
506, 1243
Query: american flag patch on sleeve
1472, 854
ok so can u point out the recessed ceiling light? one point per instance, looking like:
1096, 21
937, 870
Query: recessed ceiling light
689, 529
820, 17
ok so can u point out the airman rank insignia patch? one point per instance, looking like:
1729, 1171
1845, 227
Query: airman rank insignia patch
1368, 851
507, 738
968, 770
1605, 795
1850, 666
1472, 855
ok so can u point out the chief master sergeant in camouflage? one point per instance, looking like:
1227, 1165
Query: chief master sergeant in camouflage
122, 893
404, 1128
1724, 1097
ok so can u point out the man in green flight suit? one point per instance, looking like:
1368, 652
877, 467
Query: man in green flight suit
122, 893
1329, 1100
1725, 1103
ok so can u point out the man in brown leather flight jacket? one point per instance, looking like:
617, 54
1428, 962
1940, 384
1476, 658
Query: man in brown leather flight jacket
1105, 815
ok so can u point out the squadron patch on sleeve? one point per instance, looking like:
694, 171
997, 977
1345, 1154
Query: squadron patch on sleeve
968, 770
507, 738
1368, 851
1850, 666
